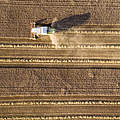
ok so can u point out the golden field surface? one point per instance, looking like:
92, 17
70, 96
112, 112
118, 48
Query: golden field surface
84, 49
60, 107
16, 15
68, 75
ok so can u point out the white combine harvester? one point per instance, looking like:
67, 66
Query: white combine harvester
36, 32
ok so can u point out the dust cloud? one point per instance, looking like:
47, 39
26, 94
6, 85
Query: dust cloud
65, 39
69, 41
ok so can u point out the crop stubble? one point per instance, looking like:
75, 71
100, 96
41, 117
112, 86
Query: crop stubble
16, 16
15, 19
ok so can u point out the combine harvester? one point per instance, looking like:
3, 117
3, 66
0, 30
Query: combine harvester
37, 31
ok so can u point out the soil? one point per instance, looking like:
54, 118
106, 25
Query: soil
16, 15
53, 81
15, 21
46, 91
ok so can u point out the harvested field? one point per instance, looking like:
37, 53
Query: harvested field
60, 107
90, 50
16, 15
53, 81
73, 74
73, 110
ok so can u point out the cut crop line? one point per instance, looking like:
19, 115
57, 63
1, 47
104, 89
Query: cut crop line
76, 102
64, 117
59, 5
59, 60
63, 46
20, 38
43, 5
93, 31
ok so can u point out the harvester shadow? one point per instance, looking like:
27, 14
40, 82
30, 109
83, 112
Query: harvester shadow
66, 23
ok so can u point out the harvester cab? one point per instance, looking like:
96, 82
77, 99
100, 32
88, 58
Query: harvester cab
37, 31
